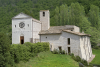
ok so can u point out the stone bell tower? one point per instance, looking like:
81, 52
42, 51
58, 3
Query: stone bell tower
45, 19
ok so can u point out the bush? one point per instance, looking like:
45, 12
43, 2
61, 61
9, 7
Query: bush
71, 54
55, 51
84, 62
24, 52
90, 65
63, 52
96, 47
20, 52
73, 57
78, 59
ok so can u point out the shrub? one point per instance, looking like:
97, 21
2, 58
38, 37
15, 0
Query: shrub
27, 50
84, 62
45, 46
90, 65
61, 51
55, 51
20, 52
78, 59
73, 57
71, 54
96, 47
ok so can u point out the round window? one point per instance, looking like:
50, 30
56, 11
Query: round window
21, 25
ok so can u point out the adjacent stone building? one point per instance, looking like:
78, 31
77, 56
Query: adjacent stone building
68, 37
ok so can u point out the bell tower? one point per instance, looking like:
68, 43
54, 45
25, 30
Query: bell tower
45, 19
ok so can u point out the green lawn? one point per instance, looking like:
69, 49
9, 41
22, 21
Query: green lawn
96, 60
47, 59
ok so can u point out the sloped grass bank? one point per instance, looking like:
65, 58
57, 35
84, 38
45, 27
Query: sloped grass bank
47, 59
96, 60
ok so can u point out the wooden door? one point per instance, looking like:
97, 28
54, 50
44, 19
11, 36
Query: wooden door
21, 39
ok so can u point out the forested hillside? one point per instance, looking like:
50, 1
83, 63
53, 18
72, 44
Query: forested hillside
83, 13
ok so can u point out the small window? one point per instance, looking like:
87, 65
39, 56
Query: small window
68, 41
15, 26
71, 30
43, 13
60, 48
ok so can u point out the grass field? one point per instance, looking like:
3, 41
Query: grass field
47, 59
96, 60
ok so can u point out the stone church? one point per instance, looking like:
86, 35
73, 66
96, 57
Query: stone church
68, 37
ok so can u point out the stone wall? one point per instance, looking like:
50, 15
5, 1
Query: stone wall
62, 40
25, 31
79, 46
45, 19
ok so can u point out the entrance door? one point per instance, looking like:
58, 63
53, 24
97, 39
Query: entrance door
68, 49
21, 39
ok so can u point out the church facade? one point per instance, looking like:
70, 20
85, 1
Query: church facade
26, 29
68, 37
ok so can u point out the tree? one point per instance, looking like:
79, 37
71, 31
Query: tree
94, 16
94, 35
85, 24
5, 57
76, 13
56, 16
63, 14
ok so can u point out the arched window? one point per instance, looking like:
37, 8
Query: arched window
43, 13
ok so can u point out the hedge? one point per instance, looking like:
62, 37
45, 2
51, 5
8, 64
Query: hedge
24, 52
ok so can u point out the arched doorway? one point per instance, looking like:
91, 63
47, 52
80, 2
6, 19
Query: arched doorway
21, 39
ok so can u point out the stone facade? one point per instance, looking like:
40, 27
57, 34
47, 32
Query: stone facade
30, 30
68, 37
76, 44
45, 19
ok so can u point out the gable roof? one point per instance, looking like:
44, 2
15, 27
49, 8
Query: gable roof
76, 33
21, 15
56, 29
59, 29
